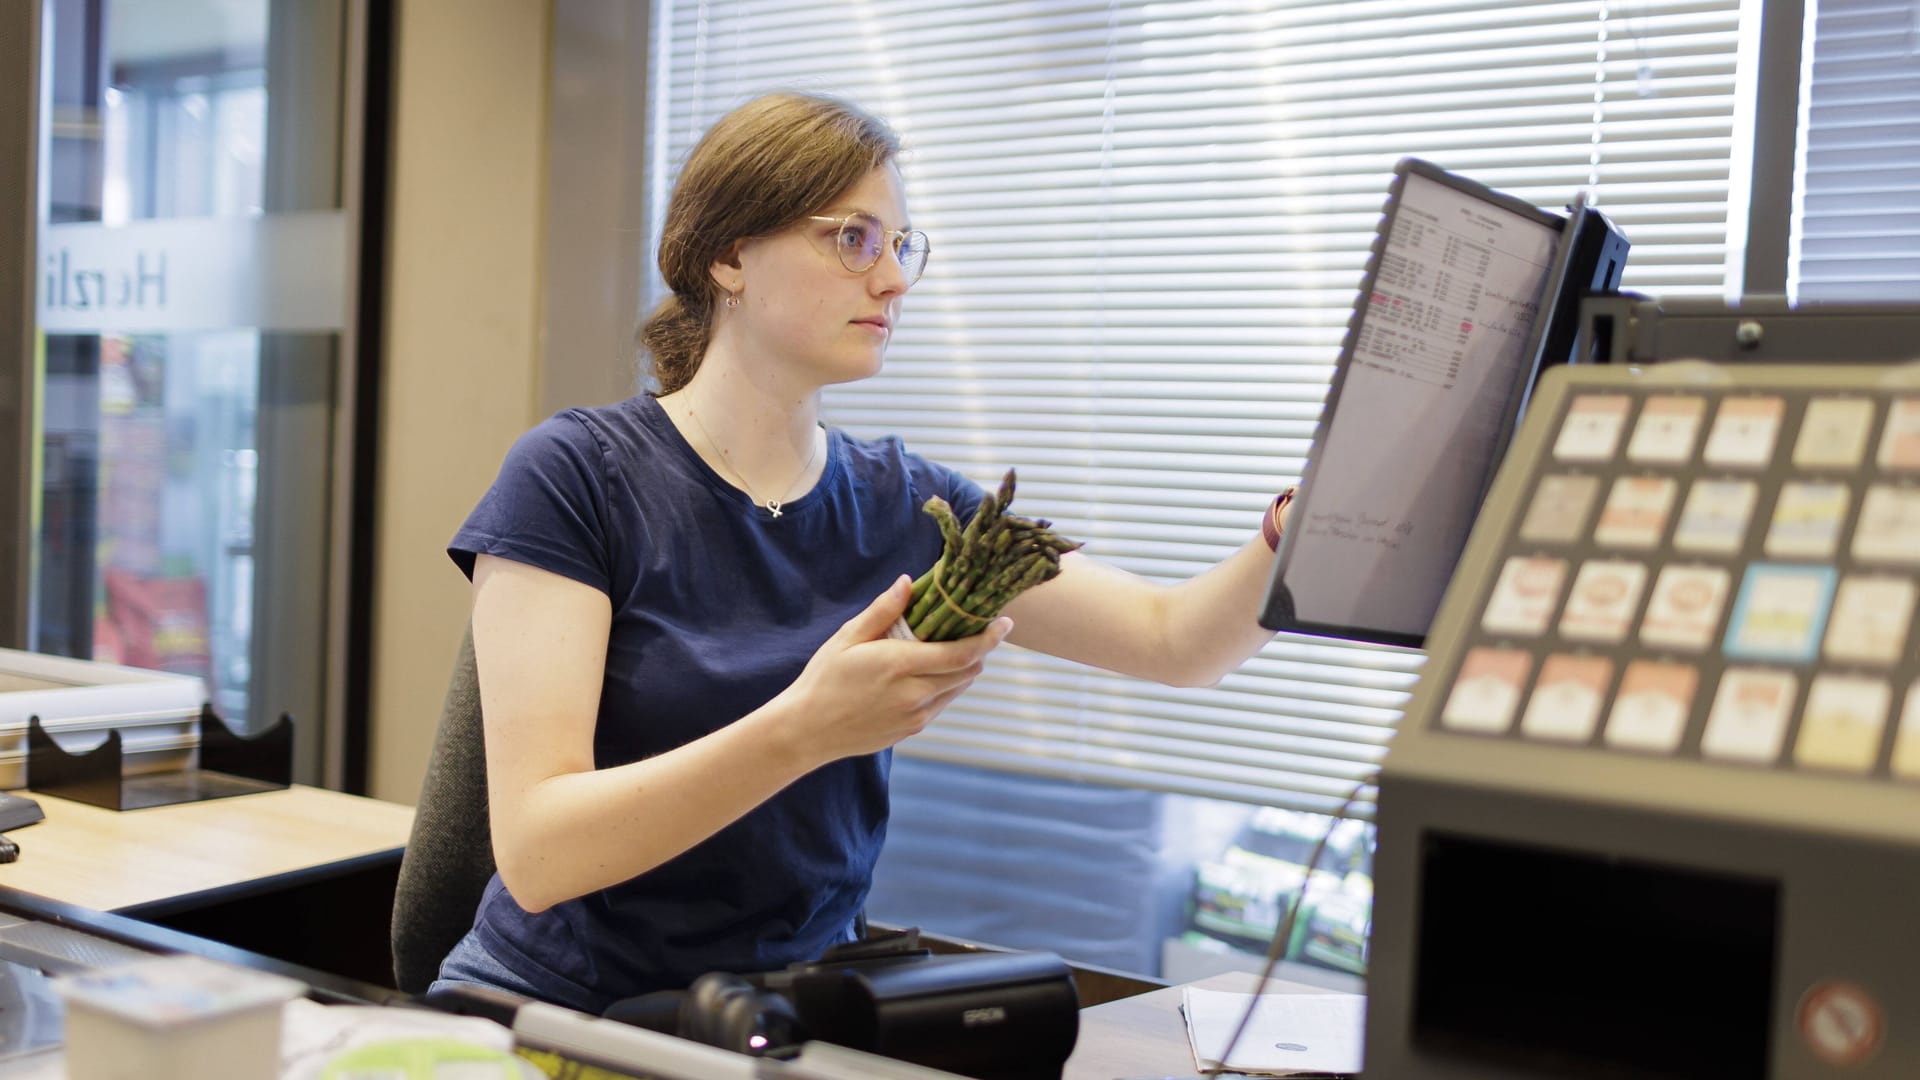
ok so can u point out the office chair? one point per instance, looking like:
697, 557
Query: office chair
449, 856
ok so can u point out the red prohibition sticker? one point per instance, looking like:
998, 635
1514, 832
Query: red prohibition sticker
1841, 1023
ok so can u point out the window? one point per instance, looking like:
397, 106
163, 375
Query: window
1149, 218
1857, 207
192, 283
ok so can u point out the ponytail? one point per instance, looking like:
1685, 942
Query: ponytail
675, 340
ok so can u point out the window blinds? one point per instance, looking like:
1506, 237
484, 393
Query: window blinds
1149, 220
1857, 214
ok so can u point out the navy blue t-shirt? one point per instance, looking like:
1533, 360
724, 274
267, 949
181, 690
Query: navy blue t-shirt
717, 606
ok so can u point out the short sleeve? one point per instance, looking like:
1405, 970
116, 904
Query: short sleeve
962, 494
932, 478
547, 508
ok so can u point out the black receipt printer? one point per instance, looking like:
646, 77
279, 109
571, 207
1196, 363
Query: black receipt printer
995, 1016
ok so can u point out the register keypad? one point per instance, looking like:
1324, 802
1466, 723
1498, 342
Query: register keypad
1728, 575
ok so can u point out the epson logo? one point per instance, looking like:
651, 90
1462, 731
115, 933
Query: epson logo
980, 1017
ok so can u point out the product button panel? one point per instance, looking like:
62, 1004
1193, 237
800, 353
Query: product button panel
1727, 575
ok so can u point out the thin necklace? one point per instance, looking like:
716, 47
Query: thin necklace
773, 505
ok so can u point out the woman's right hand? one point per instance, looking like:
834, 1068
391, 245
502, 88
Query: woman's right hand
863, 691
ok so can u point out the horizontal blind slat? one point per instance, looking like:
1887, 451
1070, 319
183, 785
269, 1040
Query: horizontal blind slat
1854, 231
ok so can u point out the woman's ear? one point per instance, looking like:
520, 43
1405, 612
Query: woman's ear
725, 269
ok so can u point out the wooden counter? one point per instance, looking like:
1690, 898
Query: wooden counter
170, 855
301, 875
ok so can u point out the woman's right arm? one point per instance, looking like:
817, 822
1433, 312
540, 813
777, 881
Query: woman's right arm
563, 829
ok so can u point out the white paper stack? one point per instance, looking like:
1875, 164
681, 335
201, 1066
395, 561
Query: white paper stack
1289, 1035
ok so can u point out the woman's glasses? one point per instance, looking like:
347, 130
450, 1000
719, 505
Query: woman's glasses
861, 240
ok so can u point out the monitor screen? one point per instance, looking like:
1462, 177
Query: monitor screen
1441, 348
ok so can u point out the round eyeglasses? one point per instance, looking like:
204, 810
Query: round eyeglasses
861, 239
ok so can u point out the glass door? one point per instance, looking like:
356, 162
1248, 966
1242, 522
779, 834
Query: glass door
193, 282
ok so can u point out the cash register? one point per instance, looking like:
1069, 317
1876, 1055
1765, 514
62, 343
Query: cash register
1654, 808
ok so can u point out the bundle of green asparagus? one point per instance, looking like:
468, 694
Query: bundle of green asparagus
995, 558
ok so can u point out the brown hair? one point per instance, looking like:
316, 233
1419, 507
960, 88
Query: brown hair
762, 167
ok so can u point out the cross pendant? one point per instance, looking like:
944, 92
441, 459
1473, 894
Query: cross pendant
773, 506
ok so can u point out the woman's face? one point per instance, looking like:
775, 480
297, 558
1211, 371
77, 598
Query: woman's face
801, 307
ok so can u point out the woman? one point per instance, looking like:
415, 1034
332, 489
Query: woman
681, 602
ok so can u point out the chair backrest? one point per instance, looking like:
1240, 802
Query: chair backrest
449, 856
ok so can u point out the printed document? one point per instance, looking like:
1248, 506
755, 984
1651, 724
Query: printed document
1290, 1034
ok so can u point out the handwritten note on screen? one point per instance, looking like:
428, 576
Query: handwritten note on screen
1404, 459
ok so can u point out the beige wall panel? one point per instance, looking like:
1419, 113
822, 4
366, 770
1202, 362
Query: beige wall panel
596, 202
463, 318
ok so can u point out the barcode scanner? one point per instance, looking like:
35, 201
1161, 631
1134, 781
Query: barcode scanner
720, 1010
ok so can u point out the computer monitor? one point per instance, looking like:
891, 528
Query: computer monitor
1467, 295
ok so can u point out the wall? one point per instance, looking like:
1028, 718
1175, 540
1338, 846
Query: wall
463, 316
596, 208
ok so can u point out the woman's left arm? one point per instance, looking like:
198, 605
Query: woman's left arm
1190, 634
